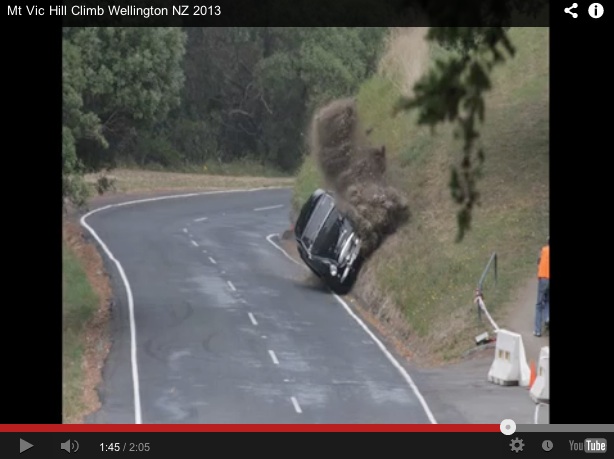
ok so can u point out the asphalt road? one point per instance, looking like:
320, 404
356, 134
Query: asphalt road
225, 329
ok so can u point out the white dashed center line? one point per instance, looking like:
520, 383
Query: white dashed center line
274, 357
297, 407
211, 260
200, 219
185, 230
252, 318
232, 287
194, 243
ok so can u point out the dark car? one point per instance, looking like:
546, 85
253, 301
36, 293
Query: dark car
327, 241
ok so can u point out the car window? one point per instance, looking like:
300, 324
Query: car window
308, 207
300, 221
316, 220
329, 233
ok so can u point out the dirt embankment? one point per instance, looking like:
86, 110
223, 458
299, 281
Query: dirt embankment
354, 170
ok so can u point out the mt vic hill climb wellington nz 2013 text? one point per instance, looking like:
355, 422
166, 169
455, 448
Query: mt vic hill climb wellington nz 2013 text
115, 10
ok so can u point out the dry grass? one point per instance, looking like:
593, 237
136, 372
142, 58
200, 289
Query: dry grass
86, 309
137, 181
406, 58
420, 282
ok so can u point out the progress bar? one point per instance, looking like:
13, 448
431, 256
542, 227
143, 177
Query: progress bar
565, 428
509, 427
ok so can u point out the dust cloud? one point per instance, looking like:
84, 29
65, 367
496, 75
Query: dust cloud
354, 171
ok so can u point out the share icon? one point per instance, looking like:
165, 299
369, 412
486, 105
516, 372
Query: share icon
568, 10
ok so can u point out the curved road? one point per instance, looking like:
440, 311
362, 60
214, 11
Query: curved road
217, 324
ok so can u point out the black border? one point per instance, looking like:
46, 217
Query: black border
32, 319
580, 295
579, 182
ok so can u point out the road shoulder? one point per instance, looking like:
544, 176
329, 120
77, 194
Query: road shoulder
455, 393
86, 308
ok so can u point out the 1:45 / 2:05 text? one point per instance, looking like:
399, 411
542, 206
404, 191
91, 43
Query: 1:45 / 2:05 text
117, 447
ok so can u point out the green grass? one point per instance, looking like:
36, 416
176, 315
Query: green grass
78, 306
430, 278
307, 180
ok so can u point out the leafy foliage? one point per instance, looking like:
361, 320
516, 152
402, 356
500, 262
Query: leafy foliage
177, 98
183, 97
115, 80
453, 91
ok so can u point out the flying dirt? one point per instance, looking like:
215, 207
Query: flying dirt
354, 170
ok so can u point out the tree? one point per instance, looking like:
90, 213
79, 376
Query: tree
308, 67
453, 90
178, 98
114, 80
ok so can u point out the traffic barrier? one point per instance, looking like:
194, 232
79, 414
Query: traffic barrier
509, 367
540, 392
533, 374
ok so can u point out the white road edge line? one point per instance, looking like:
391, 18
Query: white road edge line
211, 260
297, 407
273, 357
381, 345
133, 359
252, 318
200, 219
232, 287
258, 209
194, 243
138, 416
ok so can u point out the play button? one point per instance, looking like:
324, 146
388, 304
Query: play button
24, 445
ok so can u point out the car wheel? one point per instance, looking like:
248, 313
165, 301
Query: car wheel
341, 288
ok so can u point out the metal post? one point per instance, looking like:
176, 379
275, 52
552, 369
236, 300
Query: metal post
492, 261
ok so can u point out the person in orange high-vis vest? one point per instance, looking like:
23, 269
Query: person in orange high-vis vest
542, 307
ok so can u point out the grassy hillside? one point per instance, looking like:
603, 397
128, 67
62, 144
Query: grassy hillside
79, 304
420, 281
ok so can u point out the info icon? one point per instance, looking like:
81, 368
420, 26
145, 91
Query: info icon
595, 10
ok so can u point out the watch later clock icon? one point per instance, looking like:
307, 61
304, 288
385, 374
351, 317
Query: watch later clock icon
547, 445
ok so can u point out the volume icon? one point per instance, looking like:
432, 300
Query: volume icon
70, 446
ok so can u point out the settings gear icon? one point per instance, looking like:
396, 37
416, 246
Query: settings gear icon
517, 445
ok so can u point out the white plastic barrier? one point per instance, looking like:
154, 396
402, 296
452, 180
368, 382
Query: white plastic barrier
510, 367
540, 391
